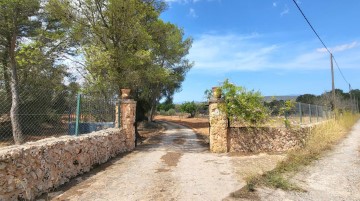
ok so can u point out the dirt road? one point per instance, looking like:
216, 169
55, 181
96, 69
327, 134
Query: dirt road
176, 165
173, 166
335, 177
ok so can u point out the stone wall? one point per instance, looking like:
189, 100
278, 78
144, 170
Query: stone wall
265, 139
233, 137
31, 169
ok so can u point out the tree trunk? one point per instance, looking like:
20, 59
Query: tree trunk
6, 76
151, 113
14, 111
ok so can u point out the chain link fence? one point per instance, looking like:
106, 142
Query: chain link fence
92, 113
43, 115
303, 113
297, 113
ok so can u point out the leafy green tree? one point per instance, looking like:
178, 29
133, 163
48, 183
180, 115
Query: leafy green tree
307, 98
166, 105
126, 45
17, 20
275, 106
168, 65
189, 107
242, 104
31, 43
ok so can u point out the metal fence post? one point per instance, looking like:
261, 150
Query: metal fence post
300, 113
78, 113
310, 112
317, 113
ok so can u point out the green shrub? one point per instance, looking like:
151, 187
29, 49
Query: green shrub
189, 107
162, 112
165, 106
242, 104
171, 112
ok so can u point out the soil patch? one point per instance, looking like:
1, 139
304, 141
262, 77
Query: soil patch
162, 170
179, 141
199, 125
171, 158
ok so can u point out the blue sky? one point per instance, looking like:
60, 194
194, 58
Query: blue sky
267, 45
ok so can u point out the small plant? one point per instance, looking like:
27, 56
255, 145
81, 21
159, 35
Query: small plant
251, 183
287, 123
286, 110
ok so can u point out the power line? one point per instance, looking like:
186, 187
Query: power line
311, 26
322, 42
342, 75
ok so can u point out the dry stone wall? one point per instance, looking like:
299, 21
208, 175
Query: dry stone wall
228, 136
265, 139
31, 169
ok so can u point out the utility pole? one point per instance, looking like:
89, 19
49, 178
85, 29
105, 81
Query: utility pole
351, 101
333, 82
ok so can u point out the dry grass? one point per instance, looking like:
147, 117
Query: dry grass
279, 121
321, 138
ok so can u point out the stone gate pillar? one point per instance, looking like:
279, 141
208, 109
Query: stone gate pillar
127, 121
218, 127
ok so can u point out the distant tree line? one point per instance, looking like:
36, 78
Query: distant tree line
343, 100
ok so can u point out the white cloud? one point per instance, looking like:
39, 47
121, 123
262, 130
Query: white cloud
274, 4
216, 53
340, 48
229, 52
285, 11
192, 13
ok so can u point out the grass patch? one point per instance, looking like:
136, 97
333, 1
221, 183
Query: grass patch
320, 139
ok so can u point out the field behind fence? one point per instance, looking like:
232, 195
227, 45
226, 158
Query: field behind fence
300, 114
41, 116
